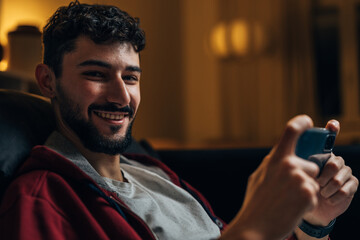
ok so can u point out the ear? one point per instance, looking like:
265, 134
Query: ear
46, 80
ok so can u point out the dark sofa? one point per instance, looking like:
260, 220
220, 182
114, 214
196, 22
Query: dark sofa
221, 174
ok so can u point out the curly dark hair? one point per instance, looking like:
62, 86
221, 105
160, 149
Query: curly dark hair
101, 23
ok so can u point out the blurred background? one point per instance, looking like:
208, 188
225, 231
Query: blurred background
220, 73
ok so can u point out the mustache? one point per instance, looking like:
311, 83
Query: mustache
110, 107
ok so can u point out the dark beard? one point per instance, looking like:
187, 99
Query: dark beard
87, 132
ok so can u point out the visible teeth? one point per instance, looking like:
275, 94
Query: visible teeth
110, 116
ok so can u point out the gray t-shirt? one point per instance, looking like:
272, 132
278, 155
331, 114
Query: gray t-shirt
169, 211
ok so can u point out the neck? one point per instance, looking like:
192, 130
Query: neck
106, 165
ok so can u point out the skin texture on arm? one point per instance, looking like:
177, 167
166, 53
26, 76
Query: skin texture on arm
285, 189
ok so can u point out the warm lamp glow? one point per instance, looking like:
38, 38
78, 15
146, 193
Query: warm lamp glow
23, 12
239, 37
15, 15
3, 65
218, 41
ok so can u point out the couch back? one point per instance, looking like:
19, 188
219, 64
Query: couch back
25, 121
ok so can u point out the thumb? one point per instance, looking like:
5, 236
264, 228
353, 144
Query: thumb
294, 128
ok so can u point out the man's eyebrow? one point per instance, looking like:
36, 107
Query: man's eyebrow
107, 65
133, 69
95, 63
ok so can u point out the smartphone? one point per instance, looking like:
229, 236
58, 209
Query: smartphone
316, 145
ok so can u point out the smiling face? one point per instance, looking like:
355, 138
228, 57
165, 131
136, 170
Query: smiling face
98, 94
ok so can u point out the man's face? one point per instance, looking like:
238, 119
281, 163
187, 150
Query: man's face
98, 94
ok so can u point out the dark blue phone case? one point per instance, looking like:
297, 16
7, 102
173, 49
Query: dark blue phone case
315, 145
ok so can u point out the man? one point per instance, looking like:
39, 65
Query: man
80, 186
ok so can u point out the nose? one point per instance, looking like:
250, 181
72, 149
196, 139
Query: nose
118, 92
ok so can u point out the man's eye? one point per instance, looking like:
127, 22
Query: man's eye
94, 74
130, 78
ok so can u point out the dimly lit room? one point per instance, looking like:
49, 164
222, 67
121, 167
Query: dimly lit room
220, 79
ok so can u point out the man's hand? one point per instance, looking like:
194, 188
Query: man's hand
337, 188
279, 192
285, 189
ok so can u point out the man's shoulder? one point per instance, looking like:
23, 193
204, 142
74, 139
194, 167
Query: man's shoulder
32, 186
33, 182
43, 159
43, 174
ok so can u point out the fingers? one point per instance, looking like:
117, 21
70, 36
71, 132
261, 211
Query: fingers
310, 168
320, 159
336, 180
309, 191
294, 128
334, 177
346, 192
335, 184
333, 125
331, 168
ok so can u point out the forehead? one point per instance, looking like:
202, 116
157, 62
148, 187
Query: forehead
113, 52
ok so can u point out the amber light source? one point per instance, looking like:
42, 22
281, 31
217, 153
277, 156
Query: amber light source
218, 40
19, 13
238, 38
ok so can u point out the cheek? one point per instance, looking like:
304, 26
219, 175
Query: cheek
84, 95
135, 97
